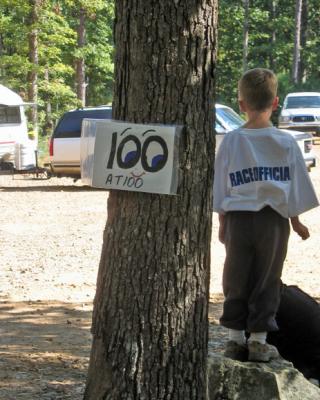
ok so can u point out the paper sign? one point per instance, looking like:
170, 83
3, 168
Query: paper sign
126, 156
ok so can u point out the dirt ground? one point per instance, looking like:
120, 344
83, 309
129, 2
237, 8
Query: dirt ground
51, 238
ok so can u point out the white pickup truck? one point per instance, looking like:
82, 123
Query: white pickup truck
301, 111
64, 145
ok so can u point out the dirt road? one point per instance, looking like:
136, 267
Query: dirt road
51, 237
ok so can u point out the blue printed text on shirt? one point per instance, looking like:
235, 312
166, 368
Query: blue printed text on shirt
255, 174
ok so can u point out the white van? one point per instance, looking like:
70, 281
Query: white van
17, 150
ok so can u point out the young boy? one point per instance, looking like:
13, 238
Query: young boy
261, 182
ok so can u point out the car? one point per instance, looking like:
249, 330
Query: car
64, 144
227, 119
301, 111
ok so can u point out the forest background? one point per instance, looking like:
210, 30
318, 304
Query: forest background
59, 54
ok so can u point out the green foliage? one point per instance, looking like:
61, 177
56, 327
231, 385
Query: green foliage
57, 47
229, 66
43, 150
57, 51
276, 54
99, 57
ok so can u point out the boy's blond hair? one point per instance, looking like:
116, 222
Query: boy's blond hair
258, 88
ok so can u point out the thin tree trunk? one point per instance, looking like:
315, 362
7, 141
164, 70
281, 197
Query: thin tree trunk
2, 71
80, 63
150, 312
48, 127
246, 5
34, 60
297, 43
273, 38
304, 35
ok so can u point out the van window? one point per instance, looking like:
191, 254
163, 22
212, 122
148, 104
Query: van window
70, 123
9, 115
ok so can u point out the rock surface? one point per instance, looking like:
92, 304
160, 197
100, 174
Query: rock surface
277, 380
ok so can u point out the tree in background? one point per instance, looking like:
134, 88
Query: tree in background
296, 67
79, 61
273, 33
81, 13
150, 320
57, 51
33, 20
230, 50
50, 71
246, 6
271, 44
99, 56
311, 53
272, 37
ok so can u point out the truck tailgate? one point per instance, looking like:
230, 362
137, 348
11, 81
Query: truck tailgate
66, 151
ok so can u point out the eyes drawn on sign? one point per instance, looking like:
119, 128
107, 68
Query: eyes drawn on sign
128, 156
129, 150
132, 157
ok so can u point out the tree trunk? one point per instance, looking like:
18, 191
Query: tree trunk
246, 5
297, 43
2, 70
80, 63
303, 40
34, 60
48, 126
150, 312
273, 36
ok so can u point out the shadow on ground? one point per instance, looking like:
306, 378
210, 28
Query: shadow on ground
44, 350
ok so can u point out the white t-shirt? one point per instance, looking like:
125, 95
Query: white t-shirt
255, 168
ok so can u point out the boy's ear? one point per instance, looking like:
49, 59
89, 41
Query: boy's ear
242, 106
275, 103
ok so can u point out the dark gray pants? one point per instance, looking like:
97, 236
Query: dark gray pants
256, 247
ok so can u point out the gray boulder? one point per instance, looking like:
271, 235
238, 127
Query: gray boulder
277, 380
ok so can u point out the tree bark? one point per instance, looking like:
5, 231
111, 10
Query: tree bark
80, 63
303, 40
34, 60
2, 72
48, 126
150, 326
273, 36
246, 5
297, 43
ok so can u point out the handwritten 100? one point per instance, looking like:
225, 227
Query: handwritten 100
139, 154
